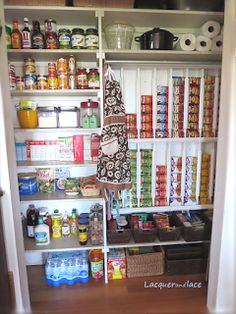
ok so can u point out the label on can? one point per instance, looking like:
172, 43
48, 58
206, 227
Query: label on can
97, 269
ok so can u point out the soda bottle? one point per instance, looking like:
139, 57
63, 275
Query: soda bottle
16, 37
26, 37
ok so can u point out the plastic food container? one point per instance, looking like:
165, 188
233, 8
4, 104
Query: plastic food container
28, 119
27, 183
119, 36
47, 117
89, 114
68, 117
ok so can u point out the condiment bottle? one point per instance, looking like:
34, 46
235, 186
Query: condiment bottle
56, 224
16, 37
32, 218
38, 41
26, 37
42, 235
73, 224
83, 235
65, 226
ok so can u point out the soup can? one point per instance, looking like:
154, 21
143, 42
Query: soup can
62, 66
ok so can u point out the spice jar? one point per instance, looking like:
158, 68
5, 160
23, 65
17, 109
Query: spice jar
89, 114
93, 79
91, 38
81, 78
64, 38
78, 38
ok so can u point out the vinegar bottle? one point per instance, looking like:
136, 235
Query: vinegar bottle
16, 37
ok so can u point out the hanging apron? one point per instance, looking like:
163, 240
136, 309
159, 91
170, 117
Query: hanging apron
113, 167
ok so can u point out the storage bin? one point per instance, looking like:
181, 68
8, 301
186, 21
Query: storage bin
149, 264
68, 117
144, 235
47, 117
118, 236
165, 234
186, 259
196, 233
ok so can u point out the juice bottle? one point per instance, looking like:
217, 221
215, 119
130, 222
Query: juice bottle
56, 224
96, 263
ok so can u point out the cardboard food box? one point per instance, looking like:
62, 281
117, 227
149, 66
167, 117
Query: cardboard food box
116, 264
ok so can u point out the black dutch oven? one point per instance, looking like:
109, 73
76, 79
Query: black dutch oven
156, 39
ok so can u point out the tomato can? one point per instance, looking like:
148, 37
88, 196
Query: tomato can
52, 69
160, 202
63, 81
146, 99
146, 118
161, 169
52, 82
62, 66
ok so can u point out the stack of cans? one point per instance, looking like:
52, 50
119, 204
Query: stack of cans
178, 106
190, 181
12, 76
160, 199
162, 112
131, 125
205, 179
130, 196
193, 106
146, 178
176, 176
146, 130
209, 88
30, 77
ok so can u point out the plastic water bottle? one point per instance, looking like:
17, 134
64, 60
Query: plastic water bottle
84, 270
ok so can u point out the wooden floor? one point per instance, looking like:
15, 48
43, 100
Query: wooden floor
128, 296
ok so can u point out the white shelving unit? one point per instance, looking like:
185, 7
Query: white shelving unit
130, 67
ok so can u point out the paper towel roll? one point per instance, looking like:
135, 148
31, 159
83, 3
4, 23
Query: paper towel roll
203, 43
186, 42
210, 29
217, 43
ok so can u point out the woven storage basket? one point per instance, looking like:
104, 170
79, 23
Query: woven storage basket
36, 3
148, 235
149, 264
118, 236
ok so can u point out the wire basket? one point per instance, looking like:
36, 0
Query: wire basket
149, 264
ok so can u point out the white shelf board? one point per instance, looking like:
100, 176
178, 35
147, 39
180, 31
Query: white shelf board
58, 196
60, 244
53, 164
162, 55
164, 209
174, 140
161, 18
48, 55
59, 130
63, 15
57, 92
155, 243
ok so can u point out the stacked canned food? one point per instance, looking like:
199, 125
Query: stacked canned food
130, 196
146, 178
146, 117
131, 125
209, 95
178, 110
160, 197
205, 179
30, 78
190, 181
162, 112
193, 107
176, 177
12, 76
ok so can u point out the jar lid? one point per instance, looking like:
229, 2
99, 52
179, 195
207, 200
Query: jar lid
65, 30
77, 29
47, 109
29, 175
83, 221
89, 104
68, 109
91, 30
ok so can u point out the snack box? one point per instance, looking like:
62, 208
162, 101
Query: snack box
116, 264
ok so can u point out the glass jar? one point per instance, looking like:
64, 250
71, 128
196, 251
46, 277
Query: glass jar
78, 38
81, 78
64, 38
93, 79
83, 232
89, 114
96, 225
91, 38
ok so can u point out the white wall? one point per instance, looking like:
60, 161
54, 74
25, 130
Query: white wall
8, 182
221, 290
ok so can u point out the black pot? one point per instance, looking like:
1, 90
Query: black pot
156, 39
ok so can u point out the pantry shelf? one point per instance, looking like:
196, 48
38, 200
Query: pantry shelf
162, 55
164, 209
46, 164
155, 243
59, 130
60, 244
58, 196
175, 140
58, 92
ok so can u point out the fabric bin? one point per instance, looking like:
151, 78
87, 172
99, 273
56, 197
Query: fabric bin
149, 264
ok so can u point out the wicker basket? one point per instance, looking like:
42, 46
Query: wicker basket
36, 3
118, 236
150, 264
145, 235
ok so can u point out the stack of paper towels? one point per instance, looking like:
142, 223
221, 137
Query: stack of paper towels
210, 37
